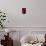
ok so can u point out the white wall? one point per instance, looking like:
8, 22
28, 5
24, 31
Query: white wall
39, 13
35, 17
34, 20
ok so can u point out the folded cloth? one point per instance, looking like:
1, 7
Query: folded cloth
27, 44
38, 44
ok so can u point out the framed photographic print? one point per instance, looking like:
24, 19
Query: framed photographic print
23, 10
